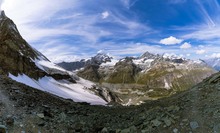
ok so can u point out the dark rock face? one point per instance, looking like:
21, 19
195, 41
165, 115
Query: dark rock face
124, 72
178, 60
62, 77
16, 54
71, 66
90, 72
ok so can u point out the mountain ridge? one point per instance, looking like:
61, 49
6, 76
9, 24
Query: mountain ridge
24, 64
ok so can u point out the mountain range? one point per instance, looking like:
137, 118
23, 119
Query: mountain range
174, 94
147, 77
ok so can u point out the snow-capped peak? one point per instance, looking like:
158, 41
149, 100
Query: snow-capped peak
148, 55
100, 58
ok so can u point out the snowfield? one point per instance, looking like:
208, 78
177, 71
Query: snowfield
77, 92
50, 67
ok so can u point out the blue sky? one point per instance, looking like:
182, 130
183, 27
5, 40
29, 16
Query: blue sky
73, 29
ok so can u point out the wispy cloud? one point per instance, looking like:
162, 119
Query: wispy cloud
205, 14
210, 28
73, 24
204, 33
70, 29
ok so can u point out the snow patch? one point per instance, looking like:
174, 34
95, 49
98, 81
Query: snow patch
43, 63
112, 63
143, 64
166, 84
77, 92
128, 103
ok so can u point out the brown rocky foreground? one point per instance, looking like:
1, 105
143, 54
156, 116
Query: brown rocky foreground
27, 110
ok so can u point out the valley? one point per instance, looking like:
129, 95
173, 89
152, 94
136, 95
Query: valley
126, 93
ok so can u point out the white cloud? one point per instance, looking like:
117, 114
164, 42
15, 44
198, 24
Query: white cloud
201, 51
170, 41
186, 45
188, 55
70, 22
105, 15
36, 15
32, 16
215, 55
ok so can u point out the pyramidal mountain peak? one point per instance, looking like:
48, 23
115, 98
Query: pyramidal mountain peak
101, 58
149, 55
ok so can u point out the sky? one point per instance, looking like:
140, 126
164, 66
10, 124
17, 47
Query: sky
68, 30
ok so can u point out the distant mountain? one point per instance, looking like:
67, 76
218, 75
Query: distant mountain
25, 64
94, 61
99, 59
149, 76
213, 62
